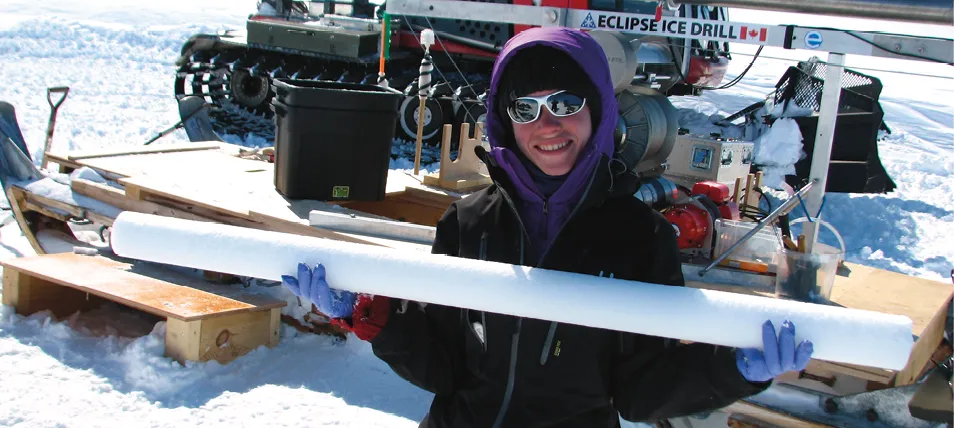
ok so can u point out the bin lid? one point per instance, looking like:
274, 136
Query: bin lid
335, 95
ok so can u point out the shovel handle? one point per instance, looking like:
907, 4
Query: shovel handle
65, 90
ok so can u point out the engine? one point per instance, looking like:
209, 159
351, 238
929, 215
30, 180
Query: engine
693, 214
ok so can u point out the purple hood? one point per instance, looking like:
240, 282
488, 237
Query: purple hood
541, 226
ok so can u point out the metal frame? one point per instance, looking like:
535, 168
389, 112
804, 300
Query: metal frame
784, 36
837, 42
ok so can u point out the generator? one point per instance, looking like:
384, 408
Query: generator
696, 158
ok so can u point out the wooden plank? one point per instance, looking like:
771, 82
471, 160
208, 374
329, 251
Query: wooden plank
868, 373
141, 150
274, 327
120, 282
65, 165
221, 338
924, 301
437, 197
414, 206
138, 187
188, 166
769, 416
816, 368
73, 210
17, 202
928, 341
30, 206
276, 224
182, 340
28, 294
117, 198
893, 293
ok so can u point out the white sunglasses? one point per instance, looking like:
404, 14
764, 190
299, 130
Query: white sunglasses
560, 104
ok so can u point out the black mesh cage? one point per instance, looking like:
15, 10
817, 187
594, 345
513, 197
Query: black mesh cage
803, 85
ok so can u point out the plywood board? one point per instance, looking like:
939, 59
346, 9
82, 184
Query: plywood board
867, 288
892, 293
129, 284
158, 148
117, 198
218, 179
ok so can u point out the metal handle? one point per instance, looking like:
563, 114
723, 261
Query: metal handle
784, 208
65, 90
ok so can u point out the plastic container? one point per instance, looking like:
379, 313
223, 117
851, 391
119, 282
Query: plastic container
762, 248
333, 140
806, 277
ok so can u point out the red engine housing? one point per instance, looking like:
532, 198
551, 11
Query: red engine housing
691, 224
706, 72
718, 193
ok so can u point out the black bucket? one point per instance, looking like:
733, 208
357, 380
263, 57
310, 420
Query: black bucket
333, 140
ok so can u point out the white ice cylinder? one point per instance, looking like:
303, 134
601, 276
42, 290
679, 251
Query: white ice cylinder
839, 334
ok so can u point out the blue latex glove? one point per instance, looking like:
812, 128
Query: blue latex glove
780, 355
312, 286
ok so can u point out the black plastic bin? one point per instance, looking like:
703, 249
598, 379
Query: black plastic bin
332, 140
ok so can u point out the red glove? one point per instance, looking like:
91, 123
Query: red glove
369, 317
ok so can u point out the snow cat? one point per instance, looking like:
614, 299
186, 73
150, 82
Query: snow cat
343, 41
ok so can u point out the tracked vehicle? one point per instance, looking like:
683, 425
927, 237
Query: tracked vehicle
345, 41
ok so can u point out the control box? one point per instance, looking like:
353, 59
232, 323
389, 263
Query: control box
696, 158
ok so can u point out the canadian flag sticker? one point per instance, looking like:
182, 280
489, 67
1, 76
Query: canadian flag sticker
752, 33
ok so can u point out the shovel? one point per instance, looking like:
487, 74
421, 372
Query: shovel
64, 90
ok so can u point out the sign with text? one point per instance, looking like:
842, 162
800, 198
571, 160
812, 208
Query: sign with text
676, 27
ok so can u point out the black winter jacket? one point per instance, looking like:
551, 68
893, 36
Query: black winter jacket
490, 370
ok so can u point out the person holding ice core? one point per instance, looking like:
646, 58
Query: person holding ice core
554, 204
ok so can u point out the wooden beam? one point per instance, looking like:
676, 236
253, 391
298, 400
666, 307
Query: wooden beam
866, 288
136, 150
927, 343
17, 204
143, 187
222, 338
772, 417
276, 224
73, 210
31, 206
117, 198
29, 294
118, 282
414, 206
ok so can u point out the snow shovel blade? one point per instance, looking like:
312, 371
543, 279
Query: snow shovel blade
10, 128
195, 117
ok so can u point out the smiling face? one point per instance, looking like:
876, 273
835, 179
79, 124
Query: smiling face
553, 143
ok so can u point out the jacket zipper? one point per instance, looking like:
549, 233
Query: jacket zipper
515, 342
576, 208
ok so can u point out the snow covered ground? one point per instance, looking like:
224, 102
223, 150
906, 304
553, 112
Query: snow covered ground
117, 57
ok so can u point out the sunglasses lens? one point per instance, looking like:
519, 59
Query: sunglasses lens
527, 109
524, 110
565, 103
